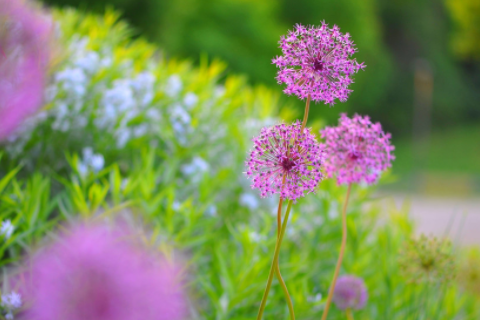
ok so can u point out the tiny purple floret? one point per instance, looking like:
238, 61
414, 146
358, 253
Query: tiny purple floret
350, 293
92, 272
356, 150
316, 62
286, 161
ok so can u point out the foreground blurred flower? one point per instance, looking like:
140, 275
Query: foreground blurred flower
24, 37
286, 161
316, 62
94, 273
356, 150
350, 293
428, 260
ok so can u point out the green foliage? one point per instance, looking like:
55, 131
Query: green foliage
186, 190
466, 15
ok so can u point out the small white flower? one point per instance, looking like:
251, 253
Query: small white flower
190, 100
7, 229
315, 298
255, 237
123, 136
211, 211
140, 130
82, 168
11, 301
196, 167
88, 62
73, 81
249, 200
120, 97
176, 205
97, 162
178, 113
174, 86
153, 114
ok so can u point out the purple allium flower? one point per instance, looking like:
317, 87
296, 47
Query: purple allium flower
316, 62
356, 150
95, 273
24, 56
285, 161
350, 293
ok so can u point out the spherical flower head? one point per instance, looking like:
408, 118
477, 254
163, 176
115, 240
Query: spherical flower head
285, 160
427, 260
350, 293
95, 273
316, 62
356, 150
24, 55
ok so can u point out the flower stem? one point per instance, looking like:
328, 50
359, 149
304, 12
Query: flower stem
340, 257
349, 314
274, 262
277, 269
305, 115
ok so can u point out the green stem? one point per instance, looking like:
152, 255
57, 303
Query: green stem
340, 256
349, 314
277, 269
274, 262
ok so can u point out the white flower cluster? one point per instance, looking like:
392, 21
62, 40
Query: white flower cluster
90, 162
6, 229
10, 303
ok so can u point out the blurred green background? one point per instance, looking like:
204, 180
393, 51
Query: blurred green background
423, 56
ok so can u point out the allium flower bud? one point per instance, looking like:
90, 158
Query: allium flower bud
427, 260
286, 161
316, 62
24, 54
350, 293
356, 150
95, 273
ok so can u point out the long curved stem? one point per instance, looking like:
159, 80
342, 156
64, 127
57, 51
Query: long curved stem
277, 269
305, 115
274, 262
340, 257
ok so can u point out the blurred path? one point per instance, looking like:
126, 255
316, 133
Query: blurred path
460, 217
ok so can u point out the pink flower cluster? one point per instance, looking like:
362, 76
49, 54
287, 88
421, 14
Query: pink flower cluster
95, 273
350, 293
24, 55
316, 62
356, 150
286, 161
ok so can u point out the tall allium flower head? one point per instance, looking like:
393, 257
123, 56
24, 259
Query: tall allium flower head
286, 161
95, 273
24, 55
316, 62
356, 150
350, 293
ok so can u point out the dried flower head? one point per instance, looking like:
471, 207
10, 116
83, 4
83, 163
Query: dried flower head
316, 62
24, 54
356, 150
95, 273
286, 161
427, 260
350, 293
469, 273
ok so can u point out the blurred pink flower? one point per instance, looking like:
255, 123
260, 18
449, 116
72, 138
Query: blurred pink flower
24, 55
316, 62
285, 152
356, 150
96, 273
350, 293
